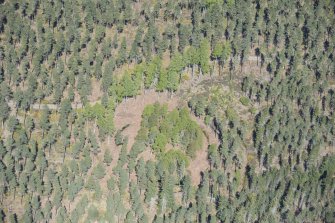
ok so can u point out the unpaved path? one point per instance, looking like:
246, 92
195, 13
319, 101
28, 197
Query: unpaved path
38, 106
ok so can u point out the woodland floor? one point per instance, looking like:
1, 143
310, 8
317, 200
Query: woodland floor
129, 113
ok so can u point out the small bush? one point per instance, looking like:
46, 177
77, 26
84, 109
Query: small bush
252, 110
208, 120
245, 101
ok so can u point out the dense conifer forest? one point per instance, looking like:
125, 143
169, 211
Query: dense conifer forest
167, 111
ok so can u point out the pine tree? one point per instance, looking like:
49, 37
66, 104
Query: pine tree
108, 157
99, 171
204, 56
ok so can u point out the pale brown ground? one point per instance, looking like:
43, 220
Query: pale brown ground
129, 112
96, 92
200, 163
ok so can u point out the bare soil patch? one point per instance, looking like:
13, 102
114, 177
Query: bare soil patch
96, 91
200, 163
129, 112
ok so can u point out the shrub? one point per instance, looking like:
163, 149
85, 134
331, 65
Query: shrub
245, 101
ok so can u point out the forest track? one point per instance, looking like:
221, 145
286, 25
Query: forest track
42, 106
